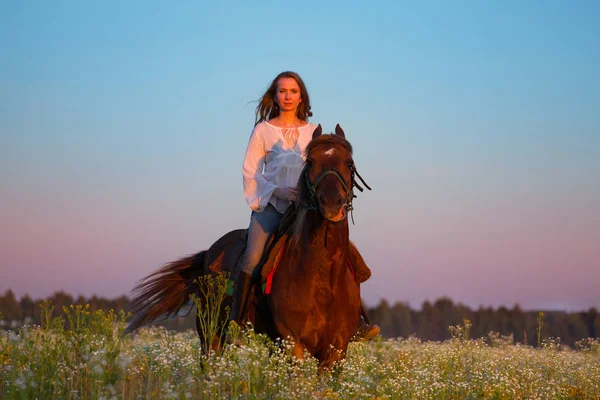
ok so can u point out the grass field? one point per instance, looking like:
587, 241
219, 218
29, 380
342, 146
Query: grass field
83, 356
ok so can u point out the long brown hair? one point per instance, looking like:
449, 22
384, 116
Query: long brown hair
268, 109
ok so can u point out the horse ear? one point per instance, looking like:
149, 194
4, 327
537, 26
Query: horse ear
317, 132
339, 131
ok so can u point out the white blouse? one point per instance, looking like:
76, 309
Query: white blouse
270, 162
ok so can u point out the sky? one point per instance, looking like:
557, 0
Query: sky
123, 126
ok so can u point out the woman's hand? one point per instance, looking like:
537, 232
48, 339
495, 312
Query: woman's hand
286, 193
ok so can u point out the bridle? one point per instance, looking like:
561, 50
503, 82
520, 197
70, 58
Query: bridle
313, 203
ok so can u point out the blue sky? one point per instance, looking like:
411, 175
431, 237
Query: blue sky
123, 127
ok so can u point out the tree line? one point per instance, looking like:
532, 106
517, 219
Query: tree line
431, 322
434, 319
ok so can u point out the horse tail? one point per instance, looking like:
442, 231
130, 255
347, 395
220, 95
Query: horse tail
163, 293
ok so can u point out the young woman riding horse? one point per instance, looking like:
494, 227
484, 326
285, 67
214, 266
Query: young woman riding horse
314, 295
311, 270
271, 168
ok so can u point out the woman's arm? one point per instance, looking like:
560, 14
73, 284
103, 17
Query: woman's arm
257, 189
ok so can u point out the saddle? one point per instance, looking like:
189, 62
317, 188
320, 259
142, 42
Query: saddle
226, 253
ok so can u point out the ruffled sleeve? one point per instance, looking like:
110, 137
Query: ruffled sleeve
257, 189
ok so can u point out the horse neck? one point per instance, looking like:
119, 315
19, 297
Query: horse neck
315, 229
325, 248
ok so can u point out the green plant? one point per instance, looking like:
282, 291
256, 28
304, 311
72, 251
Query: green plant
210, 308
461, 332
540, 324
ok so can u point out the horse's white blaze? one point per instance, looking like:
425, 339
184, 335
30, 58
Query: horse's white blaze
330, 152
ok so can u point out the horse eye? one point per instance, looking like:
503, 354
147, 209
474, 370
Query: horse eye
350, 164
309, 163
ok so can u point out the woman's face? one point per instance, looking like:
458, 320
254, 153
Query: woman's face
288, 95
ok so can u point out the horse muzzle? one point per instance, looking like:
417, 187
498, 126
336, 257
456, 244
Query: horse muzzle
333, 208
333, 216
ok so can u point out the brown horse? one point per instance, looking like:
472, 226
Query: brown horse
314, 295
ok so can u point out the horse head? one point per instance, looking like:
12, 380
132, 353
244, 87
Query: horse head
329, 174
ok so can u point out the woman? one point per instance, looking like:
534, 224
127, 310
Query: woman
271, 168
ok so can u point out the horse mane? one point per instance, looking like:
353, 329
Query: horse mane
295, 218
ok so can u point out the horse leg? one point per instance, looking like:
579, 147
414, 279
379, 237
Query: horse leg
329, 356
298, 350
217, 345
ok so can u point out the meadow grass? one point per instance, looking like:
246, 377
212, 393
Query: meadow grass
84, 356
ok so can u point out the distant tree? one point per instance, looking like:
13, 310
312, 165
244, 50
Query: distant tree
445, 317
27, 306
61, 299
81, 301
517, 323
10, 308
591, 321
382, 314
429, 324
120, 303
402, 320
